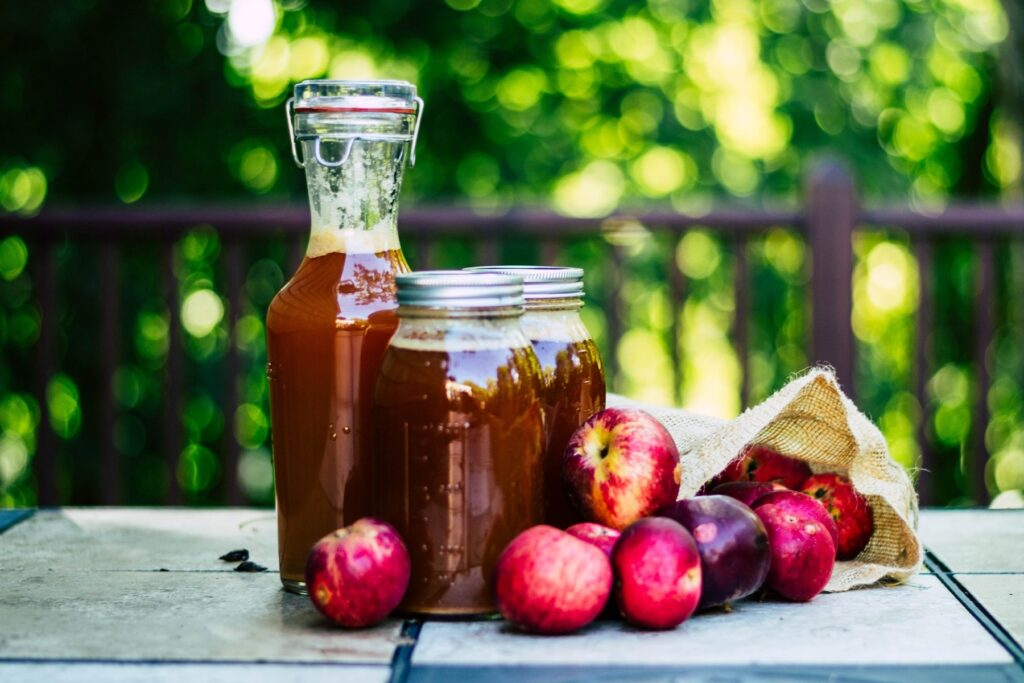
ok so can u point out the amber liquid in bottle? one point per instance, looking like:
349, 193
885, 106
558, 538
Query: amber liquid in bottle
326, 333
461, 433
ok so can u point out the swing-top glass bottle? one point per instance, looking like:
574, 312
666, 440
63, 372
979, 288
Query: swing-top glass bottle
329, 325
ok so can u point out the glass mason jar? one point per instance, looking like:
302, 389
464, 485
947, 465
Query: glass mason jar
328, 326
571, 368
460, 420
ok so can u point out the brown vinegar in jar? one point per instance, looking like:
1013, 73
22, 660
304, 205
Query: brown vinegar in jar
458, 411
571, 369
327, 328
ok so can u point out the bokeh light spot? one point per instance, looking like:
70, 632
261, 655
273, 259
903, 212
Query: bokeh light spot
521, 88
591, 192
201, 312
698, 254
22, 190
662, 170
62, 404
581, 6
197, 468
256, 475
131, 182
251, 426
251, 22
14, 458
13, 257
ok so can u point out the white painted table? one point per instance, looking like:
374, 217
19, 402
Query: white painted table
139, 594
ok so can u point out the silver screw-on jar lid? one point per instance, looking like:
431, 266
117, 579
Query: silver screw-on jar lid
458, 289
542, 282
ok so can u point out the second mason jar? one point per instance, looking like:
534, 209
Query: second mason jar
571, 368
459, 415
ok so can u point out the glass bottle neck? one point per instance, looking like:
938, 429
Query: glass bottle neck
354, 201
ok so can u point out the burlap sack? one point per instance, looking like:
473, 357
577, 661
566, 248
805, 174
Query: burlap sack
810, 418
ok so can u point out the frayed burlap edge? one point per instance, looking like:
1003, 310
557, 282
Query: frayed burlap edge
811, 419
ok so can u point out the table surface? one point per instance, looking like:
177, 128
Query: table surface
122, 594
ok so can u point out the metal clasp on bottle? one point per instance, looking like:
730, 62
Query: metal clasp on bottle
349, 140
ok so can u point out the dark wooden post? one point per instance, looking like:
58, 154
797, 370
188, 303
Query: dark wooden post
613, 309
984, 331
831, 215
922, 371
110, 356
174, 386
46, 461
677, 304
234, 277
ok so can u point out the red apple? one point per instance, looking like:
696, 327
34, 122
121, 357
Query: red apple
758, 463
548, 581
604, 538
850, 510
801, 502
732, 543
803, 554
658, 575
747, 492
619, 466
595, 534
357, 575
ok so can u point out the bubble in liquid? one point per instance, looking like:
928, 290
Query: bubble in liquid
346, 430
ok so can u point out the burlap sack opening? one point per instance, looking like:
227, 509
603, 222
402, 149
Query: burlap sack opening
810, 418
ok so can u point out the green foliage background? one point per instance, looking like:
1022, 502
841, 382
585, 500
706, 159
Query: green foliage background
587, 106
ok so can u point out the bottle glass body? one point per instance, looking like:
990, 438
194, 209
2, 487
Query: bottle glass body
327, 329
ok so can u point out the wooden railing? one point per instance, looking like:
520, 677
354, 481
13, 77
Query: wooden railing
827, 220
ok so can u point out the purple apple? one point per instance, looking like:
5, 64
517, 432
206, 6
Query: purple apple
732, 542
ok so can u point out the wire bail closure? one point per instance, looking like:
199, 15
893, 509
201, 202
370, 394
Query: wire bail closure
349, 141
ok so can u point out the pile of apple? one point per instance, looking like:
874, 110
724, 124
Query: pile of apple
766, 520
